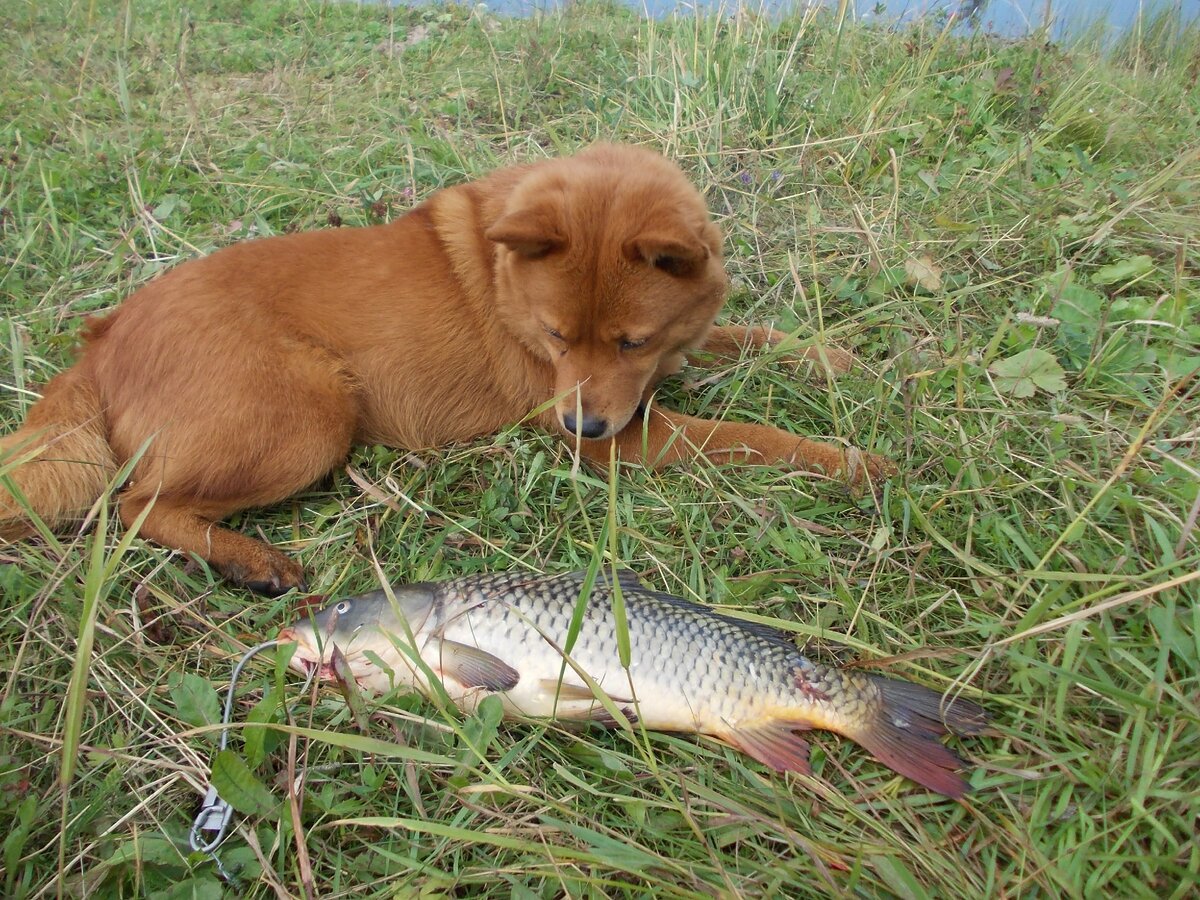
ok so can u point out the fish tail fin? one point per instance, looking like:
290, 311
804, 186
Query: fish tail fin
900, 723
905, 732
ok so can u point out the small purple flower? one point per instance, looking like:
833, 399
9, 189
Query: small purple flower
776, 176
745, 178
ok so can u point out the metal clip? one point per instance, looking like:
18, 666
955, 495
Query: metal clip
215, 812
214, 815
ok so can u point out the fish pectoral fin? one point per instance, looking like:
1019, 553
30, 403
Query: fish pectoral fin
603, 717
472, 667
564, 691
773, 743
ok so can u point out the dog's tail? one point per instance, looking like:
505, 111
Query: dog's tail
59, 462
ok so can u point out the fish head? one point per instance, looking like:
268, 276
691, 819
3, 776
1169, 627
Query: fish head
363, 629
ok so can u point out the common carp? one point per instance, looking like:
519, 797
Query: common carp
690, 669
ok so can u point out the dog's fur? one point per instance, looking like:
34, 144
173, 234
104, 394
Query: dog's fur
252, 372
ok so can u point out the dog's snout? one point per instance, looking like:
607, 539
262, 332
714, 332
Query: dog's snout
590, 427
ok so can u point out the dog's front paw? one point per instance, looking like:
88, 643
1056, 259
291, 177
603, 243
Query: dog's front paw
860, 470
270, 574
866, 471
828, 361
820, 359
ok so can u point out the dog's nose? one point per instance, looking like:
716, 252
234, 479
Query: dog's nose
591, 427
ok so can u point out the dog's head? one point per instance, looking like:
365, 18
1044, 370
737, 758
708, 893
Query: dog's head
609, 268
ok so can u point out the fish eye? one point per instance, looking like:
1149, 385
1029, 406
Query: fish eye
343, 607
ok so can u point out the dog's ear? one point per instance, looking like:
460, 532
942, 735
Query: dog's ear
674, 252
533, 231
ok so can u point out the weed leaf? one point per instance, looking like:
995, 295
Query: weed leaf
1123, 270
1021, 375
200, 887
237, 785
195, 699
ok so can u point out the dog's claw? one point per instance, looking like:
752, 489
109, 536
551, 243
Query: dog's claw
273, 578
867, 471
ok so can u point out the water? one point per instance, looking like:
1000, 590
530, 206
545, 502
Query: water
1013, 18
1010, 18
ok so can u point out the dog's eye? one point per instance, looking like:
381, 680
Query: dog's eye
627, 344
554, 333
674, 265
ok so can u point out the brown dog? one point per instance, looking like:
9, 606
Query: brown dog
250, 374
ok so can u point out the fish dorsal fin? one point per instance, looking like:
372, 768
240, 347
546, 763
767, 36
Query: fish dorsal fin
758, 629
472, 667
627, 578
629, 582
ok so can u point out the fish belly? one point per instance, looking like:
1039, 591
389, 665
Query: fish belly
657, 690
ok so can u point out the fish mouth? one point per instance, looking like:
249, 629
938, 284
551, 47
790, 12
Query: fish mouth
307, 667
305, 660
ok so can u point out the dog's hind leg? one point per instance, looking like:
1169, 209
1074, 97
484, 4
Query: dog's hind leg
239, 558
250, 439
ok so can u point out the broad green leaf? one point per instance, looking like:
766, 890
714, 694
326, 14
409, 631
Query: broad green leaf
195, 699
1081, 311
199, 887
1023, 374
1078, 305
1123, 270
150, 848
948, 224
480, 730
237, 785
166, 206
490, 713
256, 738
886, 281
1177, 364
18, 832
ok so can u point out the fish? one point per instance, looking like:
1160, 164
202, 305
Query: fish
690, 669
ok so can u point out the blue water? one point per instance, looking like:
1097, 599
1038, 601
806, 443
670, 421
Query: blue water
1018, 17
1010, 18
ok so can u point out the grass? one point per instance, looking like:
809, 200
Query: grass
1006, 233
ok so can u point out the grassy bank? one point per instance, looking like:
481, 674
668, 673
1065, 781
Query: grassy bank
1006, 234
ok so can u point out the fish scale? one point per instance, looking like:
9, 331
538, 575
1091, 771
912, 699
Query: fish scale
655, 622
691, 669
